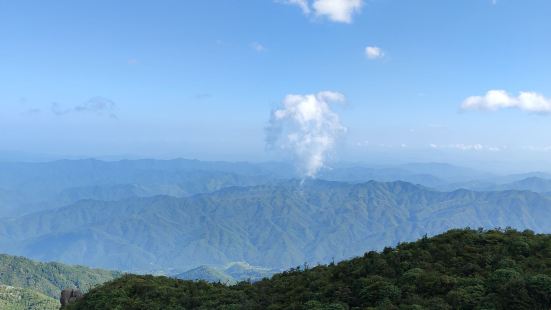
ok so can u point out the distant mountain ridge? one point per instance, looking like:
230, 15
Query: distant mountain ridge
277, 225
31, 187
229, 274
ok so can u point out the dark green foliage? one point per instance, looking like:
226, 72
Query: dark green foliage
49, 278
461, 269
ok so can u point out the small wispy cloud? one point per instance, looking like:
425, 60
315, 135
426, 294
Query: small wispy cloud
258, 47
302, 4
96, 105
374, 52
466, 147
340, 11
495, 100
534, 148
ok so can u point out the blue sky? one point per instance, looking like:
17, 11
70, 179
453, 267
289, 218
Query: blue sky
200, 78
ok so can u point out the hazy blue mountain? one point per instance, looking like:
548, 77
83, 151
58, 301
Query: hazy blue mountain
229, 274
521, 176
365, 174
242, 271
206, 273
276, 226
532, 183
434, 175
31, 187
447, 172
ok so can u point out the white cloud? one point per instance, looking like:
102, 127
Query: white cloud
307, 128
337, 10
546, 148
258, 47
374, 52
466, 147
340, 11
499, 99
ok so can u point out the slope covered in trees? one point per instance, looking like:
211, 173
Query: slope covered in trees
275, 226
49, 278
460, 269
14, 298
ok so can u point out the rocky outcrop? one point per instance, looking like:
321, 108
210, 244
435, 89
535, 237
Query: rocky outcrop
69, 296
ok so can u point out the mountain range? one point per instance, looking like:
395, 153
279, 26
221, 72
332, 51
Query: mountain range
276, 226
232, 273
32, 187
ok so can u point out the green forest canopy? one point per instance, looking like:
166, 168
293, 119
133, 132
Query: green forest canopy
460, 269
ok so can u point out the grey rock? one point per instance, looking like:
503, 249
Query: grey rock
69, 296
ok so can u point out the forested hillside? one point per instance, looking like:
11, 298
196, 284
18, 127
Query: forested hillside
15, 298
460, 269
274, 226
49, 278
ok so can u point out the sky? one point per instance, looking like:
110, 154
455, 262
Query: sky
421, 80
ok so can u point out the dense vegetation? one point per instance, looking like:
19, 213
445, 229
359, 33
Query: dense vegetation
13, 298
49, 278
274, 226
461, 269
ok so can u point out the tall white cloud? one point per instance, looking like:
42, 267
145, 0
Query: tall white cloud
499, 99
306, 127
340, 11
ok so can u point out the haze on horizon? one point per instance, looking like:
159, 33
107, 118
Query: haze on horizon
465, 82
